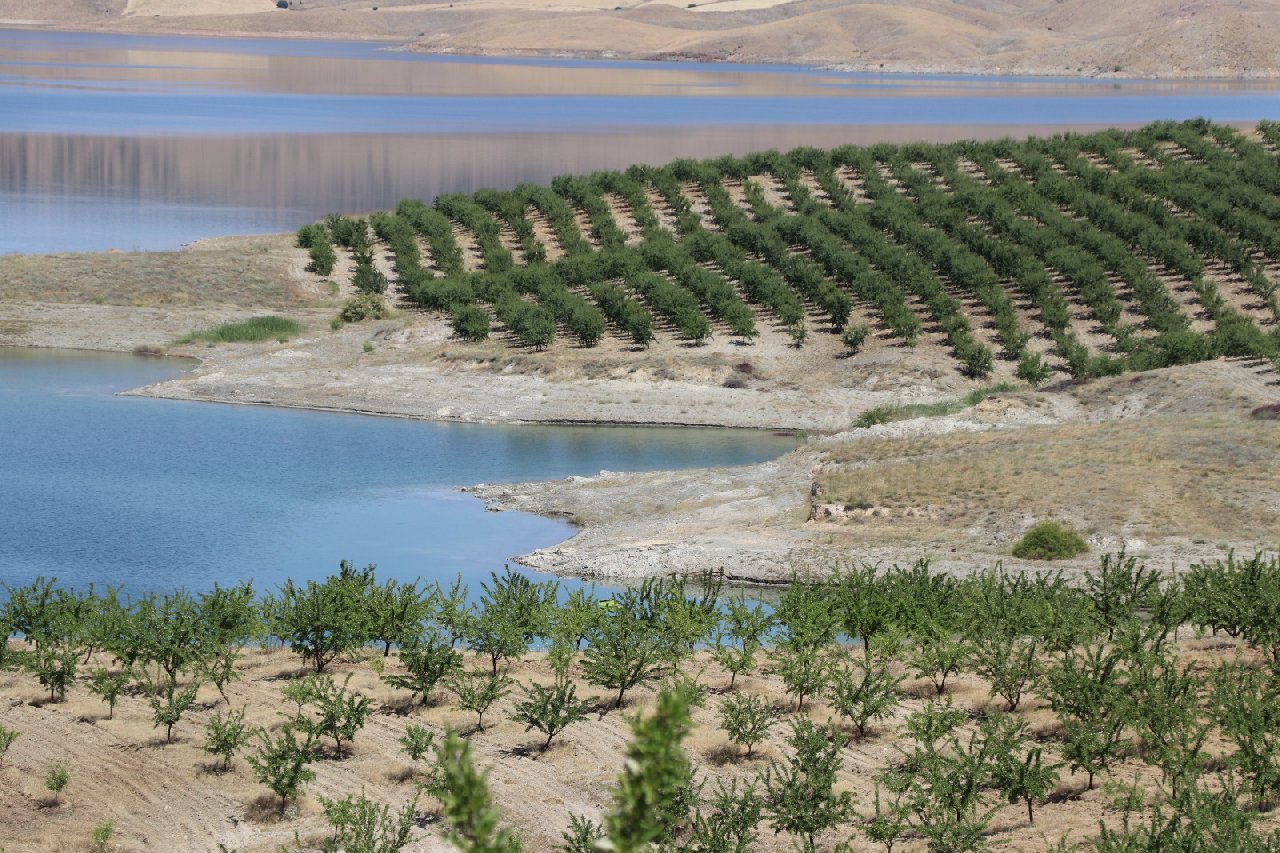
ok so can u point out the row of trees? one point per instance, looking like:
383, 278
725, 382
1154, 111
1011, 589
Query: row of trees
1101, 653
933, 233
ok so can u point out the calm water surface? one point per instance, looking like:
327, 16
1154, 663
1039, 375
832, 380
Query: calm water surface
153, 494
133, 142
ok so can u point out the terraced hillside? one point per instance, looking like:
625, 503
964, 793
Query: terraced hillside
1080, 255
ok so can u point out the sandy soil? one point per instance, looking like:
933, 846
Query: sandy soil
1150, 38
175, 797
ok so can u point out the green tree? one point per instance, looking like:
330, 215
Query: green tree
799, 794
470, 322
169, 703
625, 648
281, 762
396, 611
430, 659
225, 736
56, 779
746, 719
653, 796
862, 693
321, 621
550, 710
359, 825
513, 612
1029, 780
339, 713
741, 636
477, 690
7, 737
467, 807
730, 824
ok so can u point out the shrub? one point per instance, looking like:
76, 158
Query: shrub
853, 338
7, 737
359, 824
1049, 540
254, 329
470, 322
366, 306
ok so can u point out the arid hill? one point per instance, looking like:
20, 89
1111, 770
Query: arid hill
1148, 38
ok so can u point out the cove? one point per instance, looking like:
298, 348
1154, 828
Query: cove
152, 495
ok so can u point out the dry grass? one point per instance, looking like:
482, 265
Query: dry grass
1212, 477
258, 271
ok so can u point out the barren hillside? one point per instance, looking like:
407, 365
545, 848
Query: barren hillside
1148, 38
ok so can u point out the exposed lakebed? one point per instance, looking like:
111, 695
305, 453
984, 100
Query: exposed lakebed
155, 494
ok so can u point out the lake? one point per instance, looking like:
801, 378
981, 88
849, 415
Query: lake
153, 494
148, 142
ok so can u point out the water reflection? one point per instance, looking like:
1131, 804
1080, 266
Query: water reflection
91, 193
145, 142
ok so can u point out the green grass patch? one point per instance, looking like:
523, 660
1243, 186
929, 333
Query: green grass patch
907, 411
1049, 540
254, 329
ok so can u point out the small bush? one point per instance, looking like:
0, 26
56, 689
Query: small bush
1049, 540
253, 329
366, 306
853, 338
470, 322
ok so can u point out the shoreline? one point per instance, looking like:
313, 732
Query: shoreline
889, 67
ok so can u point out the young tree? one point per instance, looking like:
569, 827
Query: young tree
741, 637
655, 792
731, 824
417, 741
362, 826
625, 649
467, 807
320, 621
169, 703
937, 655
477, 690
1029, 780
396, 611
7, 737
56, 779
429, 660
451, 610
799, 795
550, 710
281, 762
225, 736
862, 693
747, 719
339, 713
55, 669
513, 612
805, 668
582, 836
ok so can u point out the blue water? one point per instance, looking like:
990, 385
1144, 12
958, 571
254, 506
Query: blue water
148, 142
154, 494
